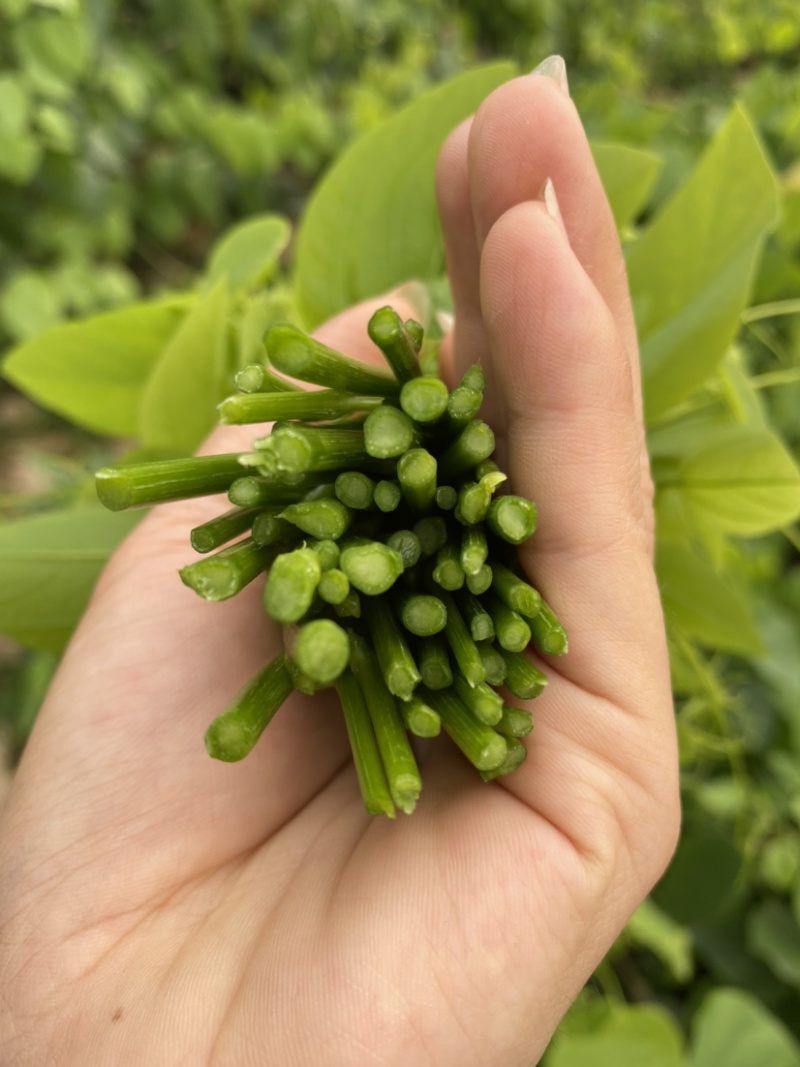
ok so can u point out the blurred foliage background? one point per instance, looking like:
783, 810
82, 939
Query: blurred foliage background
132, 136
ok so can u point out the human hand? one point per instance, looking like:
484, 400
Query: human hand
160, 908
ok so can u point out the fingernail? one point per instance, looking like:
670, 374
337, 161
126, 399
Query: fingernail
554, 67
416, 294
548, 195
446, 322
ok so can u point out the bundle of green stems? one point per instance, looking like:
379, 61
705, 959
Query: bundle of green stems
389, 547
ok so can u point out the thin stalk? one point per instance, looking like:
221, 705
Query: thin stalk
446, 497
484, 748
484, 703
249, 491
325, 519
401, 768
350, 607
515, 757
515, 722
334, 587
299, 449
387, 496
476, 616
513, 632
474, 550
269, 528
472, 446
217, 532
416, 472
458, 637
228, 571
366, 756
355, 489
448, 572
389, 433
515, 594
480, 581
421, 615
397, 664
432, 534
463, 405
523, 679
493, 663
233, 733
474, 501
388, 332
322, 650
291, 585
372, 567
420, 719
434, 663
424, 399
416, 331
300, 356
311, 407
548, 632
255, 378
513, 518
328, 553
474, 378
139, 485
407, 544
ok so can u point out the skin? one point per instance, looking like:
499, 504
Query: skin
161, 908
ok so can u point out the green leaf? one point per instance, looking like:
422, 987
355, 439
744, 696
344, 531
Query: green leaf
774, 936
14, 105
93, 372
700, 881
700, 603
48, 567
628, 176
246, 255
54, 51
691, 270
189, 380
734, 1029
29, 304
645, 1035
652, 928
20, 155
740, 479
372, 222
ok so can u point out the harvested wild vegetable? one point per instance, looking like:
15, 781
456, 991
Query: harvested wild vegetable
374, 510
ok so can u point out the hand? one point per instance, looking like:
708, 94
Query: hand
160, 908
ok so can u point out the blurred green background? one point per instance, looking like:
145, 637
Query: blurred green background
132, 136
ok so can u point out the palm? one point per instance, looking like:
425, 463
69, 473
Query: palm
166, 908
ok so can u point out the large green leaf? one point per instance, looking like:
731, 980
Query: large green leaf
700, 882
645, 1035
372, 221
691, 270
734, 1029
179, 401
628, 176
739, 479
93, 372
48, 567
701, 604
652, 928
247, 253
774, 936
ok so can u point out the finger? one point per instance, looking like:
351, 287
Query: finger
467, 343
116, 762
602, 767
527, 131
